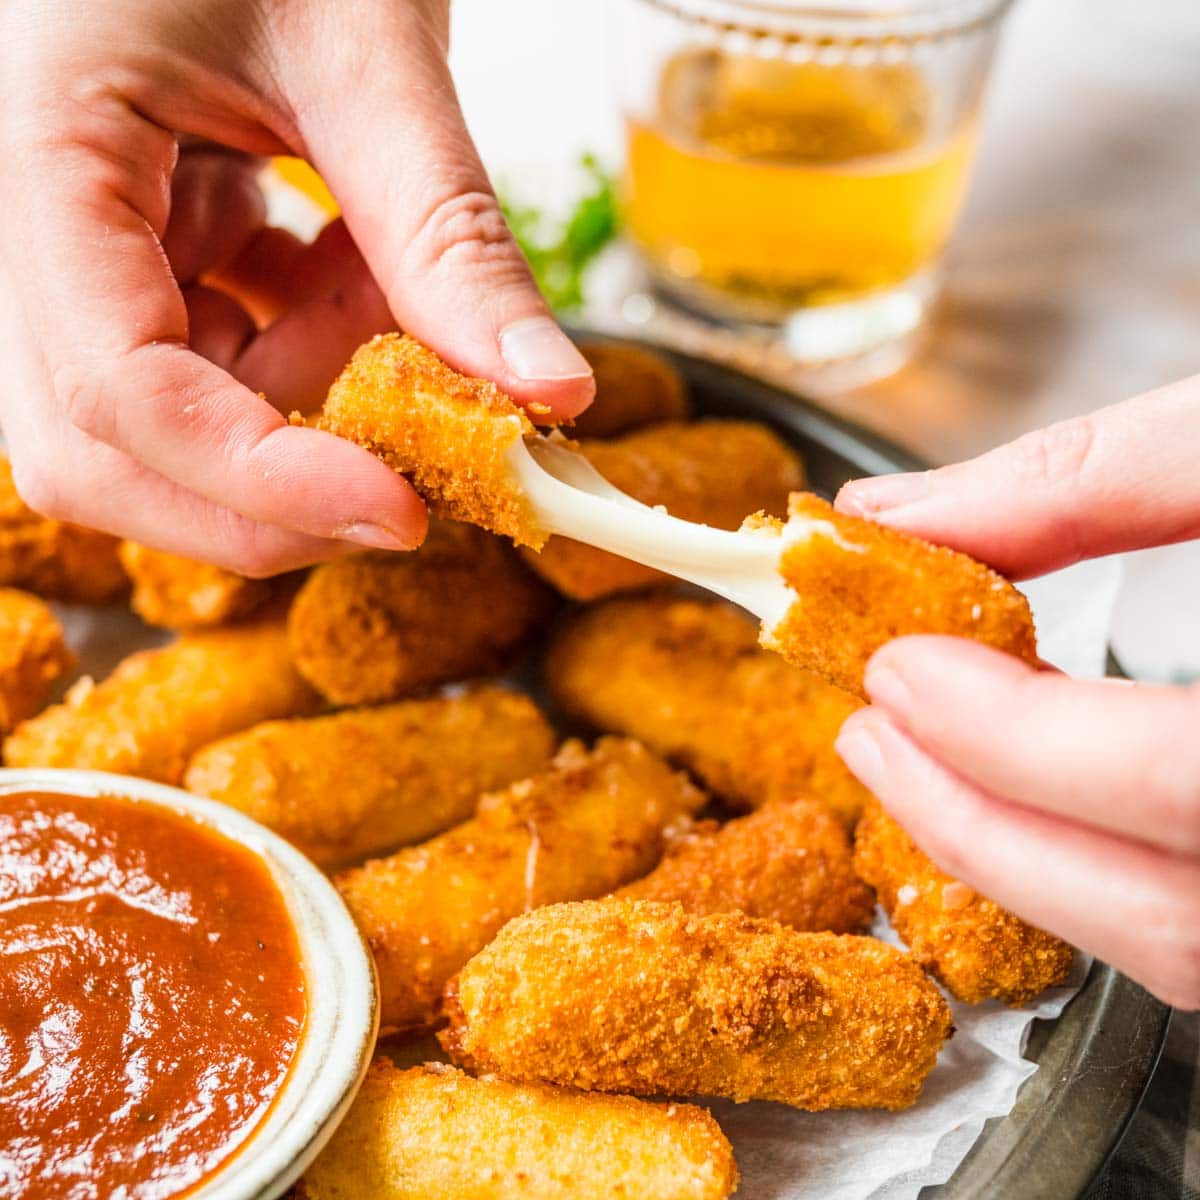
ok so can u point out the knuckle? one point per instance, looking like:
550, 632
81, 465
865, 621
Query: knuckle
83, 398
466, 231
1173, 928
1056, 455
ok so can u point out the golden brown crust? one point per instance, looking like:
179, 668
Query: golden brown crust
347, 785
379, 626
977, 949
587, 824
433, 1133
688, 678
860, 584
635, 996
711, 472
33, 656
789, 863
173, 592
447, 433
54, 559
159, 706
634, 387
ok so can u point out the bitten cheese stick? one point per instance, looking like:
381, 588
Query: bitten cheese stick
379, 626
179, 593
713, 472
433, 1133
859, 584
33, 656
636, 996
363, 781
159, 706
590, 822
688, 678
634, 387
54, 559
789, 863
977, 949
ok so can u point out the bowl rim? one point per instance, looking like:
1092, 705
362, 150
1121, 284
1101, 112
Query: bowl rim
342, 992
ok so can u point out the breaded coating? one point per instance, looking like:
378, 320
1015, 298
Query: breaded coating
33, 656
379, 626
977, 949
860, 584
641, 997
688, 678
789, 863
363, 781
590, 822
54, 559
433, 1133
179, 593
447, 433
159, 706
634, 387
711, 472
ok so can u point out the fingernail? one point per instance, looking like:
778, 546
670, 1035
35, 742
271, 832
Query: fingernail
886, 686
535, 348
364, 533
866, 497
861, 752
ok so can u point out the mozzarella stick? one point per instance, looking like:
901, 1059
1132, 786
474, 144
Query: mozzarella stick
449, 434
433, 1133
179, 593
590, 822
634, 387
977, 949
712, 472
363, 781
54, 559
641, 997
379, 626
33, 656
789, 863
688, 678
159, 706
859, 584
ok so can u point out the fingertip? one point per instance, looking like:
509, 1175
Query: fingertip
546, 371
876, 494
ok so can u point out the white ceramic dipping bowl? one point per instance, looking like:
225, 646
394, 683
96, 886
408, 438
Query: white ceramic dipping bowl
342, 994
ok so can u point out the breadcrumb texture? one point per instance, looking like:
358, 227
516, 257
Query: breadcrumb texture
360, 782
641, 997
379, 626
449, 434
859, 584
33, 655
634, 387
789, 863
433, 1133
54, 559
159, 706
688, 678
979, 950
590, 822
178, 593
710, 472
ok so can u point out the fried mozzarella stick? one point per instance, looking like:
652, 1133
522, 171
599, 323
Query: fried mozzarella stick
712, 472
54, 559
363, 781
636, 996
688, 678
634, 387
979, 950
432, 1133
379, 626
178, 593
590, 822
33, 656
789, 863
159, 706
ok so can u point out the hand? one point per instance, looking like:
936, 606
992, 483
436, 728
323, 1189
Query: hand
1075, 804
130, 401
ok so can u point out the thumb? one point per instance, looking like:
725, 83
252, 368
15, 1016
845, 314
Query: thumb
418, 203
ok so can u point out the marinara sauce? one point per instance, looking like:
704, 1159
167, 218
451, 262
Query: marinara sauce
151, 998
